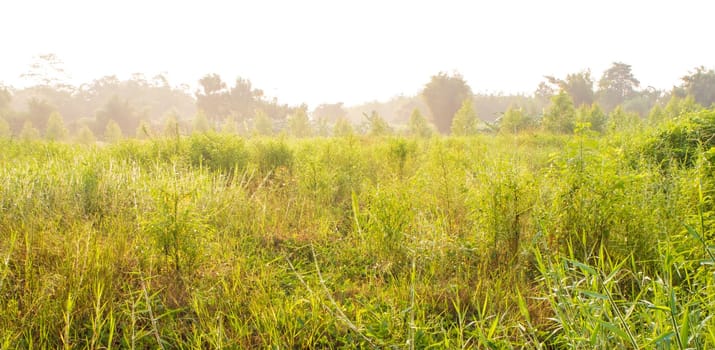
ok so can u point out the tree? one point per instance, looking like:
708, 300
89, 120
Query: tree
47, 70
201, 123
113, 133
121, 111
465, 121
656, 115
377, 126
56, 130
543, 94
229, 126
419, 126
577, 85
213, 98
620, 120
616, 85
29, 132
262, 124
342, 128
444, 95
299, 124
594, 116
85, 136
701, 85
515, 120
560, 117
330, 112
171, 125
38, 112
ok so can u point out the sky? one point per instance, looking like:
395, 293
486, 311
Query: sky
356, 51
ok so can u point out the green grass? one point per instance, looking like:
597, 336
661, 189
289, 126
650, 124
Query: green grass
494, 241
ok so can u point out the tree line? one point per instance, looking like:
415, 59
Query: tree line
109, 109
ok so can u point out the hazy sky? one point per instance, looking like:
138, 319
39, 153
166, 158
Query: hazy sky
353, 51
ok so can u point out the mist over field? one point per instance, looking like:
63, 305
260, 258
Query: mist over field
317, 174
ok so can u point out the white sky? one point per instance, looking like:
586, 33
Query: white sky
354, 51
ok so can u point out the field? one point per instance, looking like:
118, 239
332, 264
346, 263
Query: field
490, 241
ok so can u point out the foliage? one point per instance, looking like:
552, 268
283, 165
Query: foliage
592, 115
56, 130
85, 136
444, 95
465, 121
113, 132
29, 132
201, 123
262, 124
616, 85
376, 125
577, 85
418, 125
561, 115
342, 128
701, 85
515, 120
299, 124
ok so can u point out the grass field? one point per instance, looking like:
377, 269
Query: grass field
494, 241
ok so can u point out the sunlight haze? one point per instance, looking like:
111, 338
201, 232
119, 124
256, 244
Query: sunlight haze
352, 52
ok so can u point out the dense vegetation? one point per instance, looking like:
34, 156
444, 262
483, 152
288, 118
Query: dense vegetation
505, 240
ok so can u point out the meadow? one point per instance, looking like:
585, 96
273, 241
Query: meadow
496, 241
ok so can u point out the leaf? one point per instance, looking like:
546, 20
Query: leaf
594, 294
617, 331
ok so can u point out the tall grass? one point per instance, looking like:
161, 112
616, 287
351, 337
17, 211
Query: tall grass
213, 241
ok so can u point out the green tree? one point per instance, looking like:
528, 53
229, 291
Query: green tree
616, 85
171, 125
515, 120
620, 120
113, 133
262, 124
229, 126
201, 123
29, 132
444, 95
560, 117
299, 124
343, 128
701, 85
677, 106
465, 121
85, 136
330, 112
594, 116
656, 115
377, 126
577, 85
418, 125
121, 111
56, 130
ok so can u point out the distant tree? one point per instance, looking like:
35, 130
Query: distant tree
515, 120
343, 128
29, 132
144, 130
560, 117
701, 85
592, 115
330, 112
577, 85
465, 121
418, 124
213, 98
85, 136
201, 123
121, 111
444, 95
656, 115
113, 133
38, 112
5, 131
47, 70
543, 94
171, 125
616, 85
262, 124
620, 120
377, 126
244, 99
229, 126
677, 106
56, 130
299, 124
5, 99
